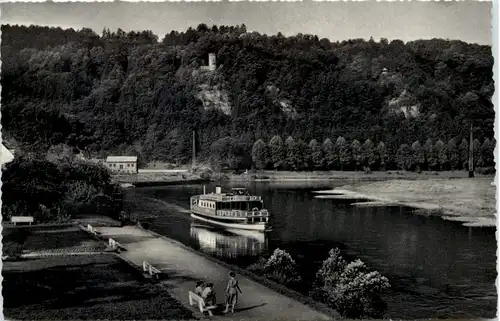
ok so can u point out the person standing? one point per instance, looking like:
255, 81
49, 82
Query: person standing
232, 292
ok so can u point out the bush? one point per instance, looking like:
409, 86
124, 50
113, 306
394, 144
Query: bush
54, 188
281, 268
206, 174
12, 250
258, 267
350, 288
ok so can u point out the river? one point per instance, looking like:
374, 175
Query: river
436, 268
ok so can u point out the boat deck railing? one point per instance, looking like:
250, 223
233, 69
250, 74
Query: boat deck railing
241, 213
232, 198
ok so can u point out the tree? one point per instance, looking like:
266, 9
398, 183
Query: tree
430, 154
453, 153
317, 160
381, 155
356, 153
291, 160
367, 154
342, 150
277, 152
329, 153
228, 152
463, 150
404, 157
476, 152
487, 150
418, 154
301, 152
260, 154
441, 154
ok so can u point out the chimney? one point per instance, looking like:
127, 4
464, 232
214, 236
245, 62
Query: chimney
218, 190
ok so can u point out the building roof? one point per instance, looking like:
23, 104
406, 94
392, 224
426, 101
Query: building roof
117, 159
6, 155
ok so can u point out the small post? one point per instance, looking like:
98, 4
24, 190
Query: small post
194, 150
144, 266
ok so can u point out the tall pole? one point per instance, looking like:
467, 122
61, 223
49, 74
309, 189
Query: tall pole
194, 150
471, 153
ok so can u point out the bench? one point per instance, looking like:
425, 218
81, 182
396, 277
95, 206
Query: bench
151, 270
115, 245
22, 219
92, 230
196, 299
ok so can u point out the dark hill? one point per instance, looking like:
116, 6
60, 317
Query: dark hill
130, 93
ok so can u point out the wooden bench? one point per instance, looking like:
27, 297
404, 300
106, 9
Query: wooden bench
92, 230
22, 219
151, 270
196, 299
115, 245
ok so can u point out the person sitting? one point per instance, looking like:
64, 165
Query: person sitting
208, 295
199, 288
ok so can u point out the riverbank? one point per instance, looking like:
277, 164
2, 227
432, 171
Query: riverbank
184, 266
157, 178
343, 175
470, 201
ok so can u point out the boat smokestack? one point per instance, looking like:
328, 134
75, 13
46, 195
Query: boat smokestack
218, 190
204, 190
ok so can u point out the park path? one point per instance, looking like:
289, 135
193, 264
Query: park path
184, 267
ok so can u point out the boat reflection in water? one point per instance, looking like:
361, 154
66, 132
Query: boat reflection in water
228, 243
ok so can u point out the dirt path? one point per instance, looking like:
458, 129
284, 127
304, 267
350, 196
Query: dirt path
183, 268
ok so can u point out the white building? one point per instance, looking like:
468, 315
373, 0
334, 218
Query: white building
212, 63
6, 155
122, 164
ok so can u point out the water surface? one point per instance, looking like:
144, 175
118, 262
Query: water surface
437, 268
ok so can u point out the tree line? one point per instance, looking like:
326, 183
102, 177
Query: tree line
132, 93
294, 154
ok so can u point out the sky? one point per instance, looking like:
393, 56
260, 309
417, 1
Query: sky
469, 21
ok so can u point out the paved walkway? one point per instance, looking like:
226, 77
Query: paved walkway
183, 268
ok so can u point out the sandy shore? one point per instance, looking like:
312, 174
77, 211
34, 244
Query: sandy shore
471, 201
267, 175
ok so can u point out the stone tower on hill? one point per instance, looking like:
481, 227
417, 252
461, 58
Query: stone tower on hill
211, 62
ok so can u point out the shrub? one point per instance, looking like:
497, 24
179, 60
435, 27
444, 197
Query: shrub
281, 268
258, 267
350, 288
12, 250
206, 174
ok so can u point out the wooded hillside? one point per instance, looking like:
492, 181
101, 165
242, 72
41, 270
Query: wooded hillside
132, 93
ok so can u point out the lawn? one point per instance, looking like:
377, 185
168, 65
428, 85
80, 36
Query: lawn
53, 239
92, 287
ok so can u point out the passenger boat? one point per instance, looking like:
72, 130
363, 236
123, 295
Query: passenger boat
236, 209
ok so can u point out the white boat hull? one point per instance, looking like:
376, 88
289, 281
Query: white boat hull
261, 226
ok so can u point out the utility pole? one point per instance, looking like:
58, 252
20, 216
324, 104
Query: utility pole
194, 151
471, 154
